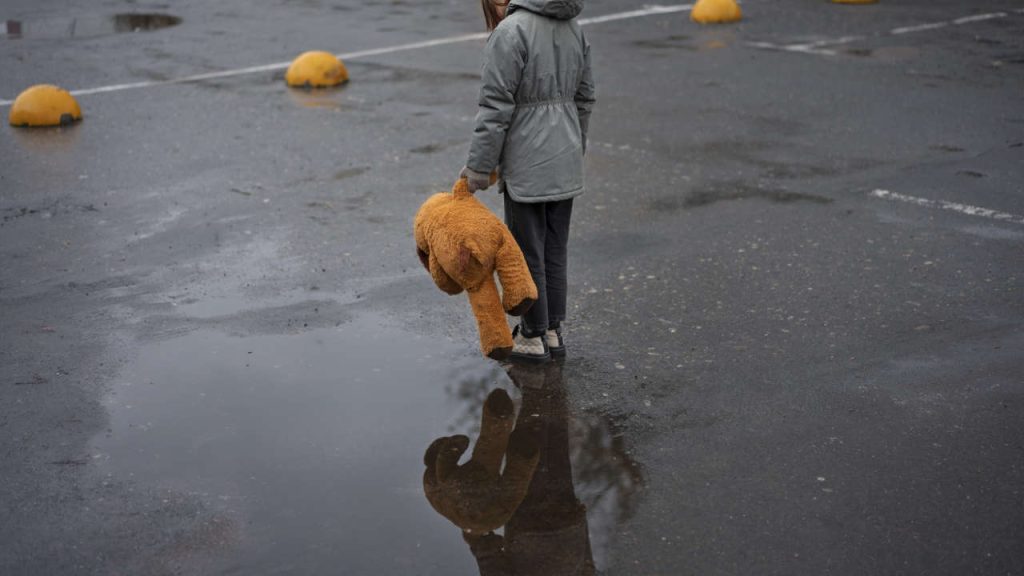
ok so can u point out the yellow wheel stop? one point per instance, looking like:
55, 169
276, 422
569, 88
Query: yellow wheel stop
44, 105
316, 70
715, 12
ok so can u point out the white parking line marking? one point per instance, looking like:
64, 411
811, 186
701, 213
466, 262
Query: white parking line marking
193, 78
646, 11
919, 28
980, 17
818, 47
954, 206
824, 47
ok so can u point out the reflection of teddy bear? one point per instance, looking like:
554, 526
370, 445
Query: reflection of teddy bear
477, 496
462, 243
545, 524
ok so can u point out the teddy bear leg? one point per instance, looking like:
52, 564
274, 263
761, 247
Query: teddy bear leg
495, 336
518, 289
499, 416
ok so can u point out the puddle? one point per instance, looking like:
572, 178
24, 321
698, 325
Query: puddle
314, 444
436, 147
946, 148
707, 196
207, 307
567, 481
327, 98
87, 26
237, 306
683, 42
143, 22
58, 144
885, 53
970, 173
350, 172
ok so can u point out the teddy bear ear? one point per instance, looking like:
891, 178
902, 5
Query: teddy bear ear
471, 259
424, 257
479, 256
442, 456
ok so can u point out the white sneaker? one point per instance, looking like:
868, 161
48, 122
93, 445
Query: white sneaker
528, 350
555, 344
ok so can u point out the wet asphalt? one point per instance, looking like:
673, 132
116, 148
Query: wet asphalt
221, 356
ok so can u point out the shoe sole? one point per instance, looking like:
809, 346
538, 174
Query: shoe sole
528, 358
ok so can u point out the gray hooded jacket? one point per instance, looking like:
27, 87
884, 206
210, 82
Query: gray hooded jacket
535, 102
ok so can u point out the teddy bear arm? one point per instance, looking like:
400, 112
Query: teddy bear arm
519, 292
496, 425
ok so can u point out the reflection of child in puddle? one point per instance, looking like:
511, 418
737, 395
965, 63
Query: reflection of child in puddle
545, 524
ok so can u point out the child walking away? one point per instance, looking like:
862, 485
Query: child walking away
535, 106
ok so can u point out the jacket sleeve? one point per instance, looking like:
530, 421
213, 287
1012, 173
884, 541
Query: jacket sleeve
585, 94
504, 60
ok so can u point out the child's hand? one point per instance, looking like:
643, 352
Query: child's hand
475, 180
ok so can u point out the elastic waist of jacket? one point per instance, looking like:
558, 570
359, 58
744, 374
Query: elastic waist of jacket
545, 102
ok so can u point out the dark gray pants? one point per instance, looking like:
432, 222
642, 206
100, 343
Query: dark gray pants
542, 231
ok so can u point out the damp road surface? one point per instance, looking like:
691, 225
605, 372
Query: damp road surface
796, 328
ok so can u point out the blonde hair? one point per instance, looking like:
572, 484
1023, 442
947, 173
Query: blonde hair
492, 16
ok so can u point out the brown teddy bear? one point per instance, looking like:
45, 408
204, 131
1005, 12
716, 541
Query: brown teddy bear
462, 243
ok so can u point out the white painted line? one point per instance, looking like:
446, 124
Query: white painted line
803, 48
919, 28
183, 80
824, 47
413, 46
818, 47
272, 67
980, 17
954, 206
646, 11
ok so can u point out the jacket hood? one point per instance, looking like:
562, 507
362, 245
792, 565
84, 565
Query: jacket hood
558, 9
